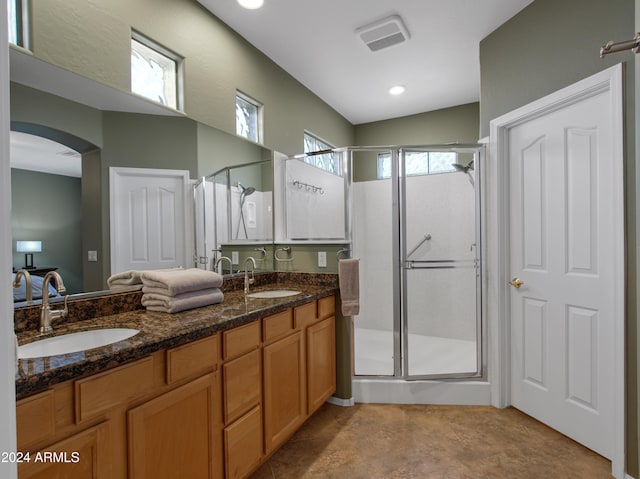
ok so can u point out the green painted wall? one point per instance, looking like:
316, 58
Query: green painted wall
39, 108
305, 258
550, 45
93, 272
547, 46
456, 124
93, 40
47, 208
217, 150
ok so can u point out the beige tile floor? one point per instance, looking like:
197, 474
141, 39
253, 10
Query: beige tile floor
371, 441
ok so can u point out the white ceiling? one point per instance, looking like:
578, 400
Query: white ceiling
35, 153
315, 41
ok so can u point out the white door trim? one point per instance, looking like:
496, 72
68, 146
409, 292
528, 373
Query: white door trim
498, 268
8, 355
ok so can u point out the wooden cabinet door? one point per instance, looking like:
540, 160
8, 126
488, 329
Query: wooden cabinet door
284, 395
243, 444
85, 455
321, 363
177, 434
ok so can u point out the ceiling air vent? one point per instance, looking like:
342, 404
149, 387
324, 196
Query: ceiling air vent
384, 33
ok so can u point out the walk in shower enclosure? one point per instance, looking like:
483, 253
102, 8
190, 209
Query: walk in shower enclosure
417, 232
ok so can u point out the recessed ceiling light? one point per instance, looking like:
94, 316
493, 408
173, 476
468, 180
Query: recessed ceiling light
251, 4
397, 90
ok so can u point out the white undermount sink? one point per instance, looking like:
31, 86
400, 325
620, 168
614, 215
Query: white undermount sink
273, 293
74, 342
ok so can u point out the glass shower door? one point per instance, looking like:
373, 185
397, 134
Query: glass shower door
440, 268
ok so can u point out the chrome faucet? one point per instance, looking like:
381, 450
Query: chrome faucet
27, 279
47, 315
220, 259
247, 281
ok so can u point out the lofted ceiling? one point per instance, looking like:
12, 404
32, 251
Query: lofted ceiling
316, 42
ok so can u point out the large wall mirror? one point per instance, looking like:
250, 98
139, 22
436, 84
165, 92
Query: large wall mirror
69, 214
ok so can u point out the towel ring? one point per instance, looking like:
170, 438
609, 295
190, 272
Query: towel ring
344, 253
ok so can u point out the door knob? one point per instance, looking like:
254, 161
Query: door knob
516, 282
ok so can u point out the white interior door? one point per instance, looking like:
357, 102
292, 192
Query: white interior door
563, 205
150, 218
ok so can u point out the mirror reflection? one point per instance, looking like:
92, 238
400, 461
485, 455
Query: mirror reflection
315, 200
69, 214
234, 208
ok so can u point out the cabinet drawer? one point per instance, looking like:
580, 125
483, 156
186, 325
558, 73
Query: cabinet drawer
99, 393
241, 340
242, 385
305, 314
326, 307
193, 359
277, 325
35, 419
243, 444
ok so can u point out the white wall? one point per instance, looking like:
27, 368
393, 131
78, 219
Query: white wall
317, 211
441, 301
372, 238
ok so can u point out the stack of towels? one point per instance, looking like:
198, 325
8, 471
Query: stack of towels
181, 289
130, 280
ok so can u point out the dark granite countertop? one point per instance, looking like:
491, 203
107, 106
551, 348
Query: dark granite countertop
157, 331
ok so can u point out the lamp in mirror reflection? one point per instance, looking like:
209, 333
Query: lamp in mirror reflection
28, 248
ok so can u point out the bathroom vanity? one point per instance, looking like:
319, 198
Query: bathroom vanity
210, 392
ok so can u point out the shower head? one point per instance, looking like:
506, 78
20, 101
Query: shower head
463, 168
247, 191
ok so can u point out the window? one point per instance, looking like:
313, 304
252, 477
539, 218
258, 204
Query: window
248, 118
419, 163
155, 72
18, 22
327, 161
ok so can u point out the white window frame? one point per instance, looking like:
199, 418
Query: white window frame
324, 145
386, 156
179, 68
18, 13
259, 117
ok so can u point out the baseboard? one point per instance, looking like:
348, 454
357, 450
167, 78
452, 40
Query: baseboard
397, 391
341, 402
627, 476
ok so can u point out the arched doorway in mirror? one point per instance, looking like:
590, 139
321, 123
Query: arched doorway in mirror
56, 201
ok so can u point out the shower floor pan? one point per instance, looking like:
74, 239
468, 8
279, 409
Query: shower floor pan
428, 355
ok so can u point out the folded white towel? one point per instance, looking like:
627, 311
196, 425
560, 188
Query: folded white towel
124, 279
172, 283
130, 278
182, 302
349, 282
